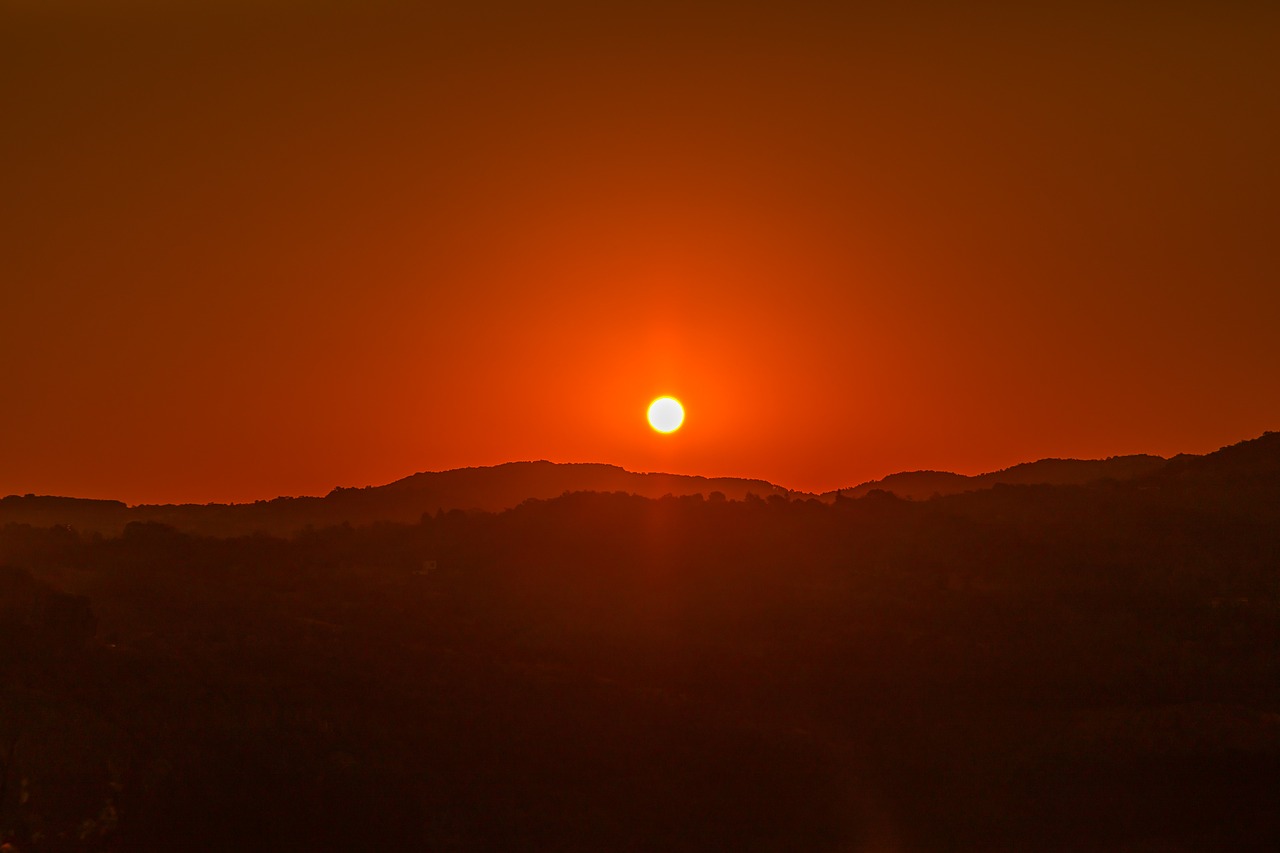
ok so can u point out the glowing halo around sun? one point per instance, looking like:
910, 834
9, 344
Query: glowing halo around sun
666, 414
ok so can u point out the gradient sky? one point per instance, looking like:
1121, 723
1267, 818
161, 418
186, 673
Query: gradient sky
261, 248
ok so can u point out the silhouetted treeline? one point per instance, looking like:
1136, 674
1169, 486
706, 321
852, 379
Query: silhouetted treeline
493, 489
1026, 667
501, 487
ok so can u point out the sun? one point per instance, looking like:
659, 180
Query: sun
666, 414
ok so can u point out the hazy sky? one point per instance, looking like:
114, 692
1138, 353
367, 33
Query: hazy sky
250, 249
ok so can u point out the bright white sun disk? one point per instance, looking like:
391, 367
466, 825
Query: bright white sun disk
666, 414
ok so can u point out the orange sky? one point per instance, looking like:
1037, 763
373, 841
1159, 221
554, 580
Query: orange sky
251, 249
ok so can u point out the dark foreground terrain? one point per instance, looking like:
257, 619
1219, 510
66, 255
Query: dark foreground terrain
1088, 667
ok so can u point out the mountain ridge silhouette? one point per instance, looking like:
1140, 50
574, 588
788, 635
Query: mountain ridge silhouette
499, 487
1050, 471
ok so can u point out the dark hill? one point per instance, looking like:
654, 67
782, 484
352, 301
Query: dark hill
491, 489
503, 486
1256, 461
47, 511
1023, 667
1242, 479
1253, 464
921, 485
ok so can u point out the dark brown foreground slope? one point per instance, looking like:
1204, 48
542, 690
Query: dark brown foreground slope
1021, 668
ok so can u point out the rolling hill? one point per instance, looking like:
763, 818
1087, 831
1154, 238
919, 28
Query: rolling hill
500, 487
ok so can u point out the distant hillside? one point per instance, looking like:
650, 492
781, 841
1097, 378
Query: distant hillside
921, 485
1252, 462
47, 511
1253, 465
491, 489
500, 487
